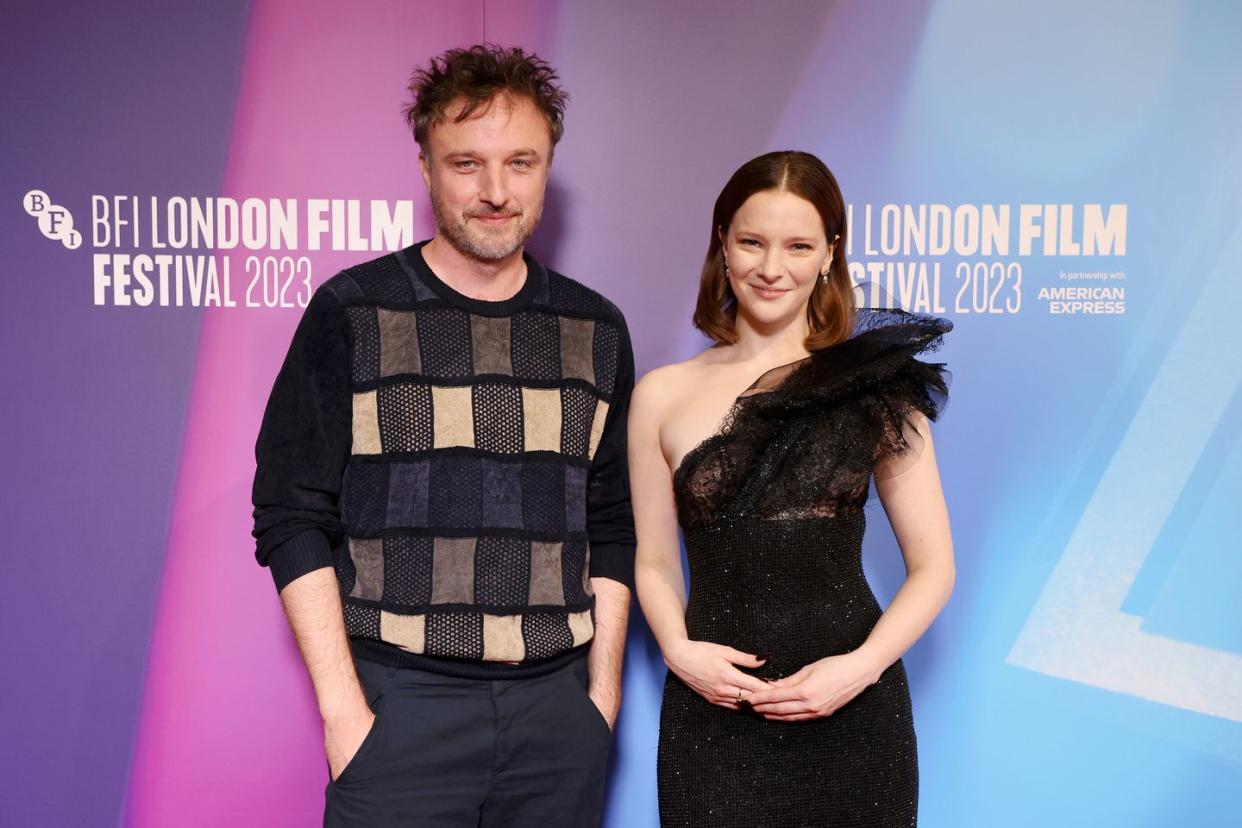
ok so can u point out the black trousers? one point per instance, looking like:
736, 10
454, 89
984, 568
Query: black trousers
448, 752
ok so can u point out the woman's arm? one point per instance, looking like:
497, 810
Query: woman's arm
707, 668
914, 503
657, 563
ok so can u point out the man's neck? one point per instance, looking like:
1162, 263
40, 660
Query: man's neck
491, 281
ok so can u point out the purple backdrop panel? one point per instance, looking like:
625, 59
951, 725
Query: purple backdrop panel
98, 98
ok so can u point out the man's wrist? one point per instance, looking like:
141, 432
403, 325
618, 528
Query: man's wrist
343, 707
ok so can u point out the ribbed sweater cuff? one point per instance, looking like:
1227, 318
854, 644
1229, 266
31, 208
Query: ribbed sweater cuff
302, 553
613, 561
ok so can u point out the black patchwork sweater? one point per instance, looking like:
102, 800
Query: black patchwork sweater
460, 463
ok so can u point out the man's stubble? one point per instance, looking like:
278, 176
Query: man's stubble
479, 243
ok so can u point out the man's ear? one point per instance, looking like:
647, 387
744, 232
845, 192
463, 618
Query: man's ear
424, 166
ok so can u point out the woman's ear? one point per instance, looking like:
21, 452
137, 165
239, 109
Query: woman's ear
832, 251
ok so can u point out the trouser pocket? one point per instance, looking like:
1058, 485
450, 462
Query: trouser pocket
374, 678
583, 677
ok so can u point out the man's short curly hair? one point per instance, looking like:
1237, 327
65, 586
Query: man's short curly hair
476, 76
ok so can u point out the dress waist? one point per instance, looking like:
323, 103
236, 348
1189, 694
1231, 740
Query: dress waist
794, 589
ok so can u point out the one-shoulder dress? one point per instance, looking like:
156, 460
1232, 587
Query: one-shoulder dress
771, 509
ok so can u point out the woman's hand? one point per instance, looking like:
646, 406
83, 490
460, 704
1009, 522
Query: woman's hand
819, 689
709, 670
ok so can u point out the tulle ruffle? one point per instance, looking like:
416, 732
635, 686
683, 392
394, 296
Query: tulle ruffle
806, 438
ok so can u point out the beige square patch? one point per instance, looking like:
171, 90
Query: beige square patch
541, 416
409, 632
452, 417
581, 626
597, 427
366, 424
502, 638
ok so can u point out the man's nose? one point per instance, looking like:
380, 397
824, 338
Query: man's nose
492, 188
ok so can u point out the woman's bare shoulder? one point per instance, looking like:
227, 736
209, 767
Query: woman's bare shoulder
660, 387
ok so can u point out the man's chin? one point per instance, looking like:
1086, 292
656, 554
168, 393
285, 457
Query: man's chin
492, 246
489, 250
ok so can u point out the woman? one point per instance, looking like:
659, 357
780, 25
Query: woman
786, 702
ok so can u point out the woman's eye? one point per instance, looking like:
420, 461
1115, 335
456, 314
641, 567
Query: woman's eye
801, 246
749, 242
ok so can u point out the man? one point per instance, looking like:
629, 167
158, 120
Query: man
442, 494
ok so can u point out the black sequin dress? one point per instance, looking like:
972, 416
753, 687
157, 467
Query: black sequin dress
771, 507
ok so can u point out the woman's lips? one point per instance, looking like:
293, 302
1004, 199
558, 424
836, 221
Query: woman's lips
768, 293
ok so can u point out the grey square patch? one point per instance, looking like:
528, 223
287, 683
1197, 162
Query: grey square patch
452, 571
492, 341
577, 349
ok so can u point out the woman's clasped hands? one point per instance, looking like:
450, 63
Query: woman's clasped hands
819, 689
711, 670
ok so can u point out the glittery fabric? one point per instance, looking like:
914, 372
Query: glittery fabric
771, 507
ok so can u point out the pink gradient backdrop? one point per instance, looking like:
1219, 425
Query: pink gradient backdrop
229, 733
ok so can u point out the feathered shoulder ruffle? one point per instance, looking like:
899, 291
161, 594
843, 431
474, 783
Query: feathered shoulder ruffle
879, 357
876, 371
808, 434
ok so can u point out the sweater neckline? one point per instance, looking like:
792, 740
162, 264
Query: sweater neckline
536, 277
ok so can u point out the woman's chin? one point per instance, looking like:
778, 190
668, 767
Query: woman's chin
770, 315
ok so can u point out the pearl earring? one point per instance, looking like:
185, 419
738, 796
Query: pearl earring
827, 267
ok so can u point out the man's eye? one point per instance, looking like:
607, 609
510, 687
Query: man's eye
466, 165
523, 163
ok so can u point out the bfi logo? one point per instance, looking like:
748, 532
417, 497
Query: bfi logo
55, 222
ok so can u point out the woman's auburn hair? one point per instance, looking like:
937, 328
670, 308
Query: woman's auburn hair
830, 310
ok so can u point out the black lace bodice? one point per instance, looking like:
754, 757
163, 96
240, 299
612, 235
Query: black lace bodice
804, 440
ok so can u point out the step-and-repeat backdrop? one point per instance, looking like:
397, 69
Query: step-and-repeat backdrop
1063, 180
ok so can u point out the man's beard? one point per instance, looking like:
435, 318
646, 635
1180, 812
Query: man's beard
478, 241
